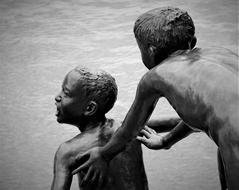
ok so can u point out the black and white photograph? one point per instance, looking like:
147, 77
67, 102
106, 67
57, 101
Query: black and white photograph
119, 95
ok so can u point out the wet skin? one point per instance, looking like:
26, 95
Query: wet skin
126, 171
202, 87
71, 102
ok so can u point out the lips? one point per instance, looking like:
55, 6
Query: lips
57, 112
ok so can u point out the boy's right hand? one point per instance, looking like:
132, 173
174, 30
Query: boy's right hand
151, 139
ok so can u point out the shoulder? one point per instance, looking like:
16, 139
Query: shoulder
206, 57
68, 149
150, 82
186, 64
63, 152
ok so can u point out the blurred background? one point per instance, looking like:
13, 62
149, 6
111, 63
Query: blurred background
41, 40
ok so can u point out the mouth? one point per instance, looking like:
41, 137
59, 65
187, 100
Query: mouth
57, 112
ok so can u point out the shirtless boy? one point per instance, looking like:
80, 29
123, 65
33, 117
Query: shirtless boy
85, 98
200, 84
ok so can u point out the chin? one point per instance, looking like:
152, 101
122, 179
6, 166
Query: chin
59, 120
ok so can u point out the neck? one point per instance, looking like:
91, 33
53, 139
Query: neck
91, 123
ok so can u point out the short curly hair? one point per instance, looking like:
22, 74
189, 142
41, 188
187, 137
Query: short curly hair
99, 86
167, 28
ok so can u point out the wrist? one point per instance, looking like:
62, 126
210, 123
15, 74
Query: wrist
165, 143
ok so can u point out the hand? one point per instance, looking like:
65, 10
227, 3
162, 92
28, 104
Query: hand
96, 164
151, 139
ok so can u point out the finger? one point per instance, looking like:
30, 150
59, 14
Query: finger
150, 130
82, 167
142, 139
154, 131
146, 128
82, 173
82, 158
101, 179
87, 178
90, 173
145, 133
94, 179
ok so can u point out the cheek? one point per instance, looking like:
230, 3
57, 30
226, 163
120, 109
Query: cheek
66, 105
72, 108
144, 56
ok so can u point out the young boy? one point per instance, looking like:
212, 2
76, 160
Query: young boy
200, 84
85, 98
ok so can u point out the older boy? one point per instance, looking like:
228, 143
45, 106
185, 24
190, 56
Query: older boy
85, 98
201, 85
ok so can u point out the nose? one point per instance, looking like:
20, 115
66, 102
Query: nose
58, 98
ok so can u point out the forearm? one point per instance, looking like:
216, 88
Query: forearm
135, 119
181, 131
163, 125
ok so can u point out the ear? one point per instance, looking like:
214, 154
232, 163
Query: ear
91, 108
152, 50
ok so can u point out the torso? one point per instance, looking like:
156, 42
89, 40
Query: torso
126, 170
202, 86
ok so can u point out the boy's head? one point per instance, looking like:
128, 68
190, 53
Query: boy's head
86, 94
160, 32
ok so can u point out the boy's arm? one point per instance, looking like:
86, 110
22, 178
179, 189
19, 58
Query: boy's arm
163, 125
62, 174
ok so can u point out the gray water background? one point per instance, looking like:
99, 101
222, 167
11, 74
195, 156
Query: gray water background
41, 40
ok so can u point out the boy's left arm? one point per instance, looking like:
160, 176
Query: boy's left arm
62, 174
162, 125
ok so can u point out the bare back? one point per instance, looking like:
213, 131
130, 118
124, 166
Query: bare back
202, 85
126, 170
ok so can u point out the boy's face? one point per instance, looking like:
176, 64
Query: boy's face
147, 55
71, 102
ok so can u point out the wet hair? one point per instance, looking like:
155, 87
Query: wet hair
167, 28
99, 86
